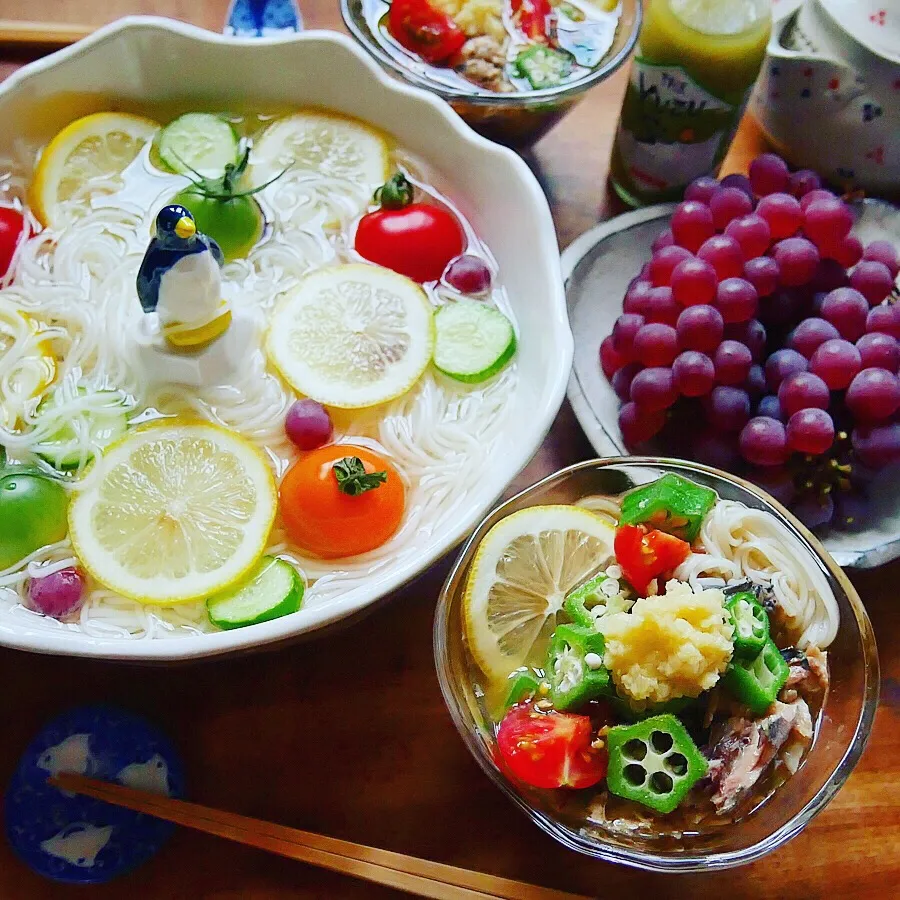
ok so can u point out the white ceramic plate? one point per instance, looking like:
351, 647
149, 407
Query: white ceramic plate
156, 59
597, 268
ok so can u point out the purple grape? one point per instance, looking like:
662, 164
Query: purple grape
752, 333
661, 306
818, 194
847, 310
701, 189
755, 384
729, 203
716, 449
691, 225
769, 406
663, 239
732, 362
884, 319
810, 431
693, 373
663, 262
728, 408
802, 182
653, 389
610, 360
700, 328
752, 233
621, 380
57, 595
763, 442
768, 174
624, 331
846, 253
781, 364
810, 334
693, 282
836, 362
741, 182
814, 512
830, 274
883, 252
656, 345
763, 274
877, 445
736, 299
879, 351
803, 390
469, 275
783, 214
797, 260
724, 254
873, 395
636, 298
827, 222
307, 424
639, 425
777, 482
873, 280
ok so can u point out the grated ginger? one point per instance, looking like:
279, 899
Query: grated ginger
476, 17
668, 646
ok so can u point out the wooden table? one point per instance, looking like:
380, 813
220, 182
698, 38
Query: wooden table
348, 735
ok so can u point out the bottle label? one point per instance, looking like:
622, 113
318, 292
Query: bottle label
672, 130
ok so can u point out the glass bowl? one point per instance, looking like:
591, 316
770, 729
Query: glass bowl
841, 731
519, 119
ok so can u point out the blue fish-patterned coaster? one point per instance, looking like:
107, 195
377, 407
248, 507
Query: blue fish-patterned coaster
78, 839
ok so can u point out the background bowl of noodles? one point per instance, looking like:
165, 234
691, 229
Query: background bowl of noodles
774, 813
147, 65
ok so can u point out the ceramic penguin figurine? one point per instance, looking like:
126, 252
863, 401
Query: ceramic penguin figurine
179, 279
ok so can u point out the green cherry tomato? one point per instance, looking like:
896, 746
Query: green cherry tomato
32, 515
235, 224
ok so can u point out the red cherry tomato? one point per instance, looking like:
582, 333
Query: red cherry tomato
642, 554
531, 17
549, 750
417, 241
426, 31
11, 227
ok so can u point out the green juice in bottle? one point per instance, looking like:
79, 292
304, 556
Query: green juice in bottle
691, 77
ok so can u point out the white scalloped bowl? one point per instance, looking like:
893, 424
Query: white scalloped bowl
157, 60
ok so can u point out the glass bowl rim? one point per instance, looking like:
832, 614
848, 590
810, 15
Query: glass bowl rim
646, 859
513, 100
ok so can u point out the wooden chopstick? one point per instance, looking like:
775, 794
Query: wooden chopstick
43, 35
408, 873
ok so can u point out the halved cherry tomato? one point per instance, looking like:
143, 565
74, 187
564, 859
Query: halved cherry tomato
415, 239
323, 519
11, 227
426, 31
531, 17
549, 750
643, 554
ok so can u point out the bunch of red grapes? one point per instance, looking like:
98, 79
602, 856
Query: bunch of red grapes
762, 337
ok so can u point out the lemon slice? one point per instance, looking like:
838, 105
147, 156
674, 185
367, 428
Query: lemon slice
27, 362
352, 336
178, 511
522, 571
95, 148
323, 143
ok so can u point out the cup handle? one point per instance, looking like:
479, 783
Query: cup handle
263, 18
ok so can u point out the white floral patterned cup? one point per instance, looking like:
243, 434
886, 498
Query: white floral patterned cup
828, 95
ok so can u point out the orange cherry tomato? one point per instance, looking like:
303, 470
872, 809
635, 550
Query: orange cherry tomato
322, 519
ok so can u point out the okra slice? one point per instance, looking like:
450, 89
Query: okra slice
671, 504
654, 762
756, 682
751, 624
575, 666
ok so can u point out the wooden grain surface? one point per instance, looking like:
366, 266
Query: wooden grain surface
347, 735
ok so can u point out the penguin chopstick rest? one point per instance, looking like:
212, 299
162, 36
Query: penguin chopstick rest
189, 333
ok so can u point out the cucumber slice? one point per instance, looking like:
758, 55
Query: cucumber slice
472, 341
273, 589
198, 142
99, 427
